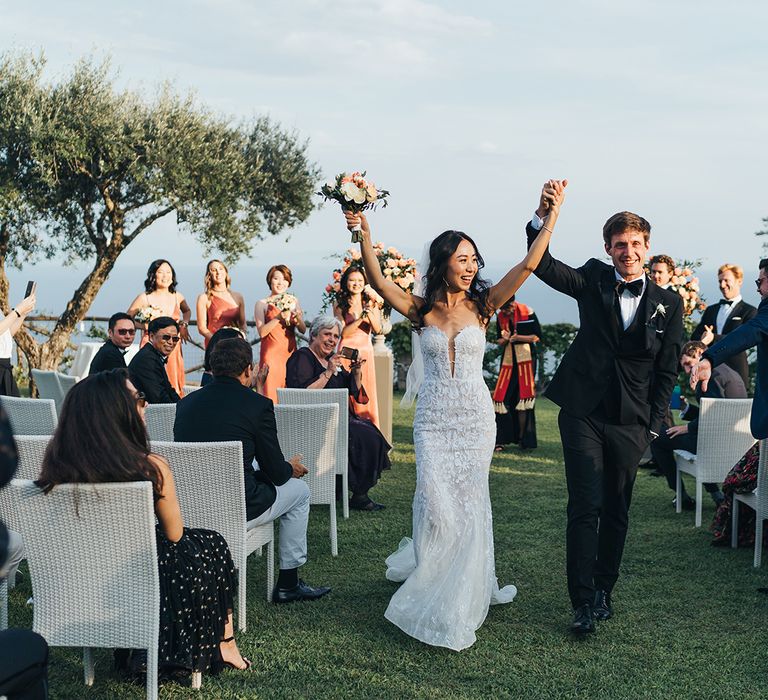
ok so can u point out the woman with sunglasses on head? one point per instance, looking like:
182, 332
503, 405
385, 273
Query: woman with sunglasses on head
219, 307
160, 293
197, 575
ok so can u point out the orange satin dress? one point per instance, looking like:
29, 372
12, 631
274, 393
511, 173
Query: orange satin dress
174, 367
221, 313
276, 348
361, 339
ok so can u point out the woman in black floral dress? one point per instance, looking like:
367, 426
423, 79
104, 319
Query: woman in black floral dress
197, 575
741, 479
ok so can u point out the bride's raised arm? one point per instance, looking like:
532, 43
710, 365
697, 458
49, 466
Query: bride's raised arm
552, 195
397, 298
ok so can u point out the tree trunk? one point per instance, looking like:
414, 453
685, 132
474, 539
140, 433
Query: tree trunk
48, 355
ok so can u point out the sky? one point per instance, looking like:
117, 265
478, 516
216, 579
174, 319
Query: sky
462, 111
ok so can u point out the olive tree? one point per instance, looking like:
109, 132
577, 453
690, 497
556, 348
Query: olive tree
86, 167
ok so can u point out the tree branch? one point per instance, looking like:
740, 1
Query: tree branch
148, 222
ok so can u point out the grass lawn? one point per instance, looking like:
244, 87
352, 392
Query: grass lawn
689, 622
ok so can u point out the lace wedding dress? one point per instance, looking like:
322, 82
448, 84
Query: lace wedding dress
448, 568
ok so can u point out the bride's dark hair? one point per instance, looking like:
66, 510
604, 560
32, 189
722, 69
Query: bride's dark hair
440, 252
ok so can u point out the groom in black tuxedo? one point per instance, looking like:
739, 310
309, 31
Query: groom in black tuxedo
613, 387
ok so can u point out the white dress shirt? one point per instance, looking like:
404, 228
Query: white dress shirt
723, 313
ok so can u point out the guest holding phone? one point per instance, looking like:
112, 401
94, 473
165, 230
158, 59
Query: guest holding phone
9, 326
320, 367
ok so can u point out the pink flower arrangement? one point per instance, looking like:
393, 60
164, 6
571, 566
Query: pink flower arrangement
394, 265
354, 193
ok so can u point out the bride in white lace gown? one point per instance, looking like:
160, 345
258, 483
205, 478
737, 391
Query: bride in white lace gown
448, 568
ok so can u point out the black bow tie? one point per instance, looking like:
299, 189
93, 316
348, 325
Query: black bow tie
726, 302
634, 288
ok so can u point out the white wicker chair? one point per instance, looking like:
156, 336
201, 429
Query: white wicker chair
723, 438
211, 490
53, 385
94, 573
307, 397
31, 416
160, 418
311, 431
758, 501
31, 449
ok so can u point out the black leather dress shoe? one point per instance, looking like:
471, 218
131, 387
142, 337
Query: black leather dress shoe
602, 609
301, 591
582, 620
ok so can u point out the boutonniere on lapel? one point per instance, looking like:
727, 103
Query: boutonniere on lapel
660, 310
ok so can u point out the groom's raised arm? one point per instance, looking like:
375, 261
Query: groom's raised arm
554, 273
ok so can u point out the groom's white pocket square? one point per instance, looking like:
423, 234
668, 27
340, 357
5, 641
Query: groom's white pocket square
659, 331
736, 318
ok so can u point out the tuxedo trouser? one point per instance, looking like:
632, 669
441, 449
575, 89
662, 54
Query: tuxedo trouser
600, 467
662, 449
23, 665
292, 507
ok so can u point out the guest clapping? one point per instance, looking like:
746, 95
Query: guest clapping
320, 367
160, 293
219, 306
9, 326
197, 575
121, 332
360, 315
147, 368
277, 324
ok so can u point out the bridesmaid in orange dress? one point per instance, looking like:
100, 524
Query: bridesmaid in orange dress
277, 330
219, 306
361, 317
160, 292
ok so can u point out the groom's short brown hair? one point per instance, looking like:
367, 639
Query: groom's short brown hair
623, 221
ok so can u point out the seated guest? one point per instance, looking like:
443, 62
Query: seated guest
147, 368
319, 367
197, 575
221, 334
725, 384
741, 479
120, 334
228, 409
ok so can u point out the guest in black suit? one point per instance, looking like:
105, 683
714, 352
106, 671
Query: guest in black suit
613, 386
121, 331
228, 409
718, 320
726, 384
147, 368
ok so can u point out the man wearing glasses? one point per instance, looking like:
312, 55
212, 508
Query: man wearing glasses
147, 369
120, 334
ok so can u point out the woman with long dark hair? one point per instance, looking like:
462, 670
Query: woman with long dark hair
360, 317
160, 293
197, 575
448, 568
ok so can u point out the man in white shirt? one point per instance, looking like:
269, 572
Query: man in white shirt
726, 316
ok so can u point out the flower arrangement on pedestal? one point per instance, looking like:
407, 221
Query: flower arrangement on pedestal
394, 265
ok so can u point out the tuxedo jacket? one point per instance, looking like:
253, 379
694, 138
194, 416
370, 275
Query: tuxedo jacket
724, 384
641, 374
108, 357
753, 333
741, 313
225, 410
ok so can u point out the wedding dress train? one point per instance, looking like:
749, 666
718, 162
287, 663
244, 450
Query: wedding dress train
447, 569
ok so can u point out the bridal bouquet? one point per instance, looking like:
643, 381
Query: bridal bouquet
355, 194
147, 313
372, 295
285, 302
